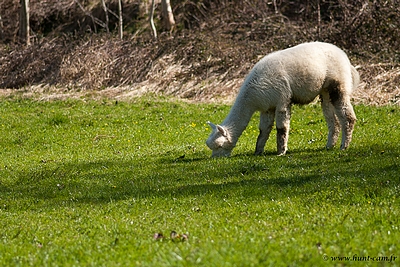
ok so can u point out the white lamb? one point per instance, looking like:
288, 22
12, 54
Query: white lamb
295, 75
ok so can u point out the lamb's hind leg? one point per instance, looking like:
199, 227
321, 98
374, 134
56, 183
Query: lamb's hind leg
344, 111
331, 120
347, 118
265, 127
282, 128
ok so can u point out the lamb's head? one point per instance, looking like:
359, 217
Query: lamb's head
219, 141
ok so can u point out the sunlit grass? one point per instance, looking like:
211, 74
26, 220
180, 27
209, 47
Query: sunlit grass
91, 183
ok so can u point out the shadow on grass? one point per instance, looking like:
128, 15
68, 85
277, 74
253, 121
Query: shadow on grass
306, 173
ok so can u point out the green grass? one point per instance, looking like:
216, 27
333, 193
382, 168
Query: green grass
90, 183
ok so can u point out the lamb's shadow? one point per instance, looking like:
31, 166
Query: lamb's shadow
104, 181
272, 152
182, 159
252, 188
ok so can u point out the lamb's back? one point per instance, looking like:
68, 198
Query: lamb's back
298, 72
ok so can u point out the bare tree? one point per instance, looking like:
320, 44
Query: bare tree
103, 2
105, 24
1, 28
94, 19
121, 21
319, 19
151, 18
24, 22
167, 15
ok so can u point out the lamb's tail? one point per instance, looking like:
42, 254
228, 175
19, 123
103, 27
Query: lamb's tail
355, 77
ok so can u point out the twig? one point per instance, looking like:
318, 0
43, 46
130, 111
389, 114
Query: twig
95, 20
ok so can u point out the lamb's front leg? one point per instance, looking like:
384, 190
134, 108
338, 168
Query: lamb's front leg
282, 128
265, 127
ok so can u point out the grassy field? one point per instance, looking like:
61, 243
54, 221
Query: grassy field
96, 183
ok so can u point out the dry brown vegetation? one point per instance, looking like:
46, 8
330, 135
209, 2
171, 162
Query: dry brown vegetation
205, 58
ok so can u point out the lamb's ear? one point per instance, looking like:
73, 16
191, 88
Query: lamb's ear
222, 130
212, 125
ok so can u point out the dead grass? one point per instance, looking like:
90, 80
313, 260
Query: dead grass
206, 60
380, 86
200, 68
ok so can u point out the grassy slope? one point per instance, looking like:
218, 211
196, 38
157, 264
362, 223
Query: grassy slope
90, 184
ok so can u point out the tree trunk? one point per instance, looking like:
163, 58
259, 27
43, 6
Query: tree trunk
167, 15
121, 20
24, 22
151, 18
103, 2
1, 28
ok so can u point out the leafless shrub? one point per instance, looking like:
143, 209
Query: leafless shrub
212, 49
380, 85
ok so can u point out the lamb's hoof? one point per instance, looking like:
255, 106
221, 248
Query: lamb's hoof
329, 146
282, 151
343, 147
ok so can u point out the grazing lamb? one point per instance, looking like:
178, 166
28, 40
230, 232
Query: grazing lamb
295, 75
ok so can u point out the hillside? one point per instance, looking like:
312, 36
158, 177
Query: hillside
206, 56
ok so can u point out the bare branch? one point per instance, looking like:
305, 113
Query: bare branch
103, 2
94, 19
